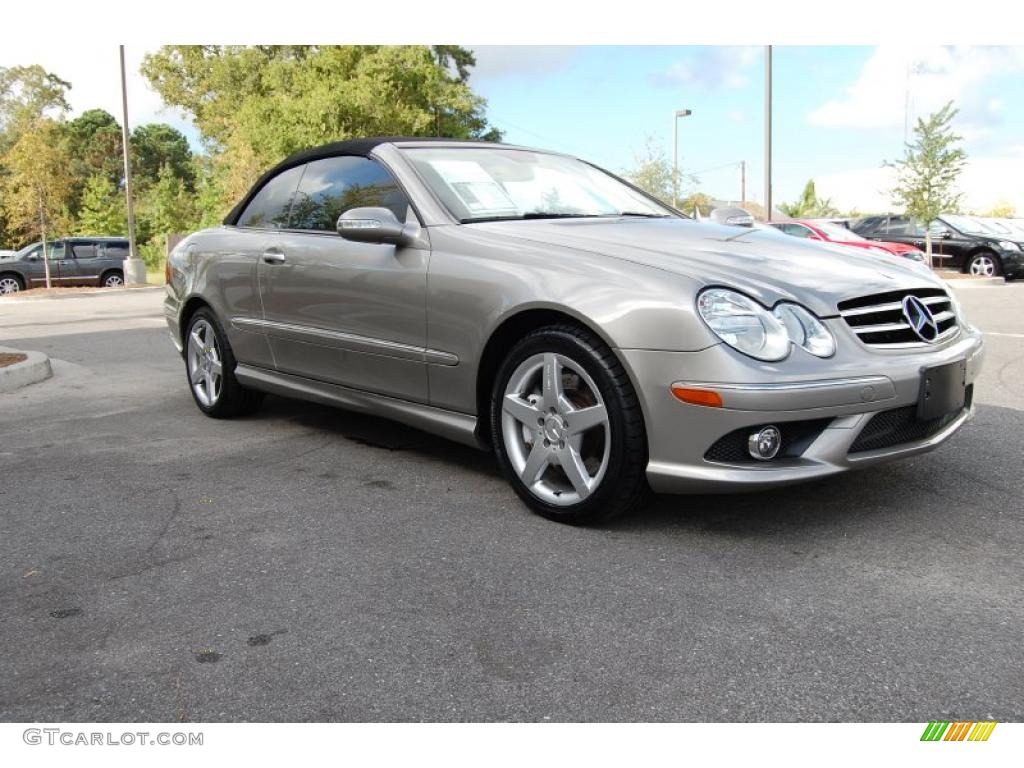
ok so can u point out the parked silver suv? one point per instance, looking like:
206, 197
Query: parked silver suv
597, 340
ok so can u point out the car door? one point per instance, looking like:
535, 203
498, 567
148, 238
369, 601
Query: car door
81, 258
228, 266
950, 244
340, 311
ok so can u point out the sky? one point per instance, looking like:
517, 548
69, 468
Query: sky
838, 112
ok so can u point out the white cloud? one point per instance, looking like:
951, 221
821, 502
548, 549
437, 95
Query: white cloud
717, 67
898, 79
96, 80
985, 182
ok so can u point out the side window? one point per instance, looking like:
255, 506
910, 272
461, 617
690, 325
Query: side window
269, 209
114, 250
895, 226
83, 250
333, 185
55, 251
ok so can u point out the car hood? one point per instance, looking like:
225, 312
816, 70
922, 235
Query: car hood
767, 265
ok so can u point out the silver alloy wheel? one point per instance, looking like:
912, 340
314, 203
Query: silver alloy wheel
113, 281
204, 363
984, 266
555, 427
9, 285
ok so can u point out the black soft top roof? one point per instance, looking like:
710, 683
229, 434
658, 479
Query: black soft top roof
357, 147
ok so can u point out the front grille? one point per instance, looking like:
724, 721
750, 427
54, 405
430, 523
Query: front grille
879, 321
796, 437
901, 425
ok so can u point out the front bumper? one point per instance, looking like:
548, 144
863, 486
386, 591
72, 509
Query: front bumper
1013, 264
844, 393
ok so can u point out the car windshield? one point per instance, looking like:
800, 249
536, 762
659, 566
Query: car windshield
493, 184
837, 231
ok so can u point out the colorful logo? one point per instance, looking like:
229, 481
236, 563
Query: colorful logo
960, 730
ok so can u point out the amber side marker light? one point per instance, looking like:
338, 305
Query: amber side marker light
706, 397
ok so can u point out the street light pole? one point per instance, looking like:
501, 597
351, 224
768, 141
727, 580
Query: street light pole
768, 133
134, 269
675, 153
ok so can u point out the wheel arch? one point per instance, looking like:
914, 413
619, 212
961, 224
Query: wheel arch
504, 336
16, 275
189, 308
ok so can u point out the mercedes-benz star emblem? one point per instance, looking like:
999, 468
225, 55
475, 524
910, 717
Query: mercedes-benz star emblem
921, 320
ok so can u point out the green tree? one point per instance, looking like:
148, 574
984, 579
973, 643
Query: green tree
654, 173
156, 145
1001, 210
36, 187
926, 176
698, 201
256, 104
102, 210
809, 206
28, 93
94, 145
167, 207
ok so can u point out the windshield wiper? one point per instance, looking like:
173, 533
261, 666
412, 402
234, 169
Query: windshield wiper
644, 215
529, 215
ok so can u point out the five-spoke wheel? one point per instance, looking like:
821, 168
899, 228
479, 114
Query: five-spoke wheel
205, 370
555, 428
567, 426
983, 265
210, 366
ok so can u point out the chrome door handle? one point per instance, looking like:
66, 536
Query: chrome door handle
273, 257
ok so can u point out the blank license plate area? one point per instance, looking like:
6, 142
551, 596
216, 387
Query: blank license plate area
943, 390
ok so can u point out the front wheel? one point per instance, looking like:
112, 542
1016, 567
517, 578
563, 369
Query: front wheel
983, 264
210, 366
10, 284
567, 427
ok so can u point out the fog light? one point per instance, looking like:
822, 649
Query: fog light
764, 444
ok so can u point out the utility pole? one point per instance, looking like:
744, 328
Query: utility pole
134, 269
743, 183
675, 153
768, 133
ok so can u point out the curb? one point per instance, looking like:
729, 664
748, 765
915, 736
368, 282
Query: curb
35, 367
134, 288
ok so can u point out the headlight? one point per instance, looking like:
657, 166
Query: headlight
805, 330
1008, 245
745, 325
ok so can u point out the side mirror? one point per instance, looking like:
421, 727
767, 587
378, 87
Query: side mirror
945, 234
375, 225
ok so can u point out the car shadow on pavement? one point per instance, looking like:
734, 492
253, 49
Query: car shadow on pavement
378, 432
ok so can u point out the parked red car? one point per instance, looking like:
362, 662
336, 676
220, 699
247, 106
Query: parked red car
830, 232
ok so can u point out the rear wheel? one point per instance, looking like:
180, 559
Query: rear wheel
210, 366
10, 284
567, 427
113, 279
983, 264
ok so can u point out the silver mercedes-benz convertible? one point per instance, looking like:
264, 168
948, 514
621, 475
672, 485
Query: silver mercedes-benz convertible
601, 343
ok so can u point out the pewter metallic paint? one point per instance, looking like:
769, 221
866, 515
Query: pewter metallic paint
399, 331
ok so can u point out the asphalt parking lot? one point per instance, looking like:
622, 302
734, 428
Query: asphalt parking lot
311, 564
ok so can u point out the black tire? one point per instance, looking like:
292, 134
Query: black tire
975, 257
233, 399
623, 486
112, 273
19, 281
